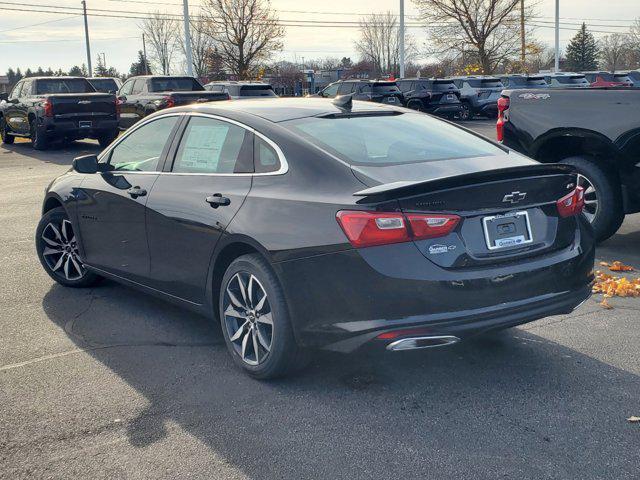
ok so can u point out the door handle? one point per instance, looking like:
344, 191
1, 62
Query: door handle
217, 200
136, 192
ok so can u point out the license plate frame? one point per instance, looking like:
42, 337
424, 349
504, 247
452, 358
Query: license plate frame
517, 240
85, 124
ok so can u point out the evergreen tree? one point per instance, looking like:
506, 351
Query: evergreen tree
582, 51
138, 67
101, 69
75, 71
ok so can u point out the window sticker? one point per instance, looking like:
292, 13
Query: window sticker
203, 147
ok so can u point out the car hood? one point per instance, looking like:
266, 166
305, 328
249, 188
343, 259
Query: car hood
426, 171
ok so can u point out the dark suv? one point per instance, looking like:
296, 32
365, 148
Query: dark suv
517, 82
381, 91
242, 90
438, 97
479, 95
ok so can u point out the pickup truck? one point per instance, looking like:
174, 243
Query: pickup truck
595, 130
58, 108
144, 95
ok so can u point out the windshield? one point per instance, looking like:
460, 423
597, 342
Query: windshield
175, 84
486, 83
104, 85
257, 91
75, 85
378, 140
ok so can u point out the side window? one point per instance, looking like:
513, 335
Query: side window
266, 158
26, 88
15, 93
404, 86
365, 89
127, 87
331, 90
213, 146
215, 88
138, 86
346, 88
141, 150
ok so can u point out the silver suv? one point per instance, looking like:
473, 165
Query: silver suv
479, 95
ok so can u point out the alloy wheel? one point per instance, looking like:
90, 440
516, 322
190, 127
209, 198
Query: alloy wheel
248, 318
591, 205
60, 250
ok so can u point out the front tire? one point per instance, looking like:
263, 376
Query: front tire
57, 247
603, 198
4, 132
255, 320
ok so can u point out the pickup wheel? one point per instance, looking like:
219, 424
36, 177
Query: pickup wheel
465, 113
416, 105
4, 132
603, 198
105, 139
38, 139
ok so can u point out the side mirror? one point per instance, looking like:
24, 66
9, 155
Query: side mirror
86, 164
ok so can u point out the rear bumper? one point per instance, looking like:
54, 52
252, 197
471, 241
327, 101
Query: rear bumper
71, 128
343, 300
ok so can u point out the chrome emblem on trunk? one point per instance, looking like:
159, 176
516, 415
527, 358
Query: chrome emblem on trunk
514, 197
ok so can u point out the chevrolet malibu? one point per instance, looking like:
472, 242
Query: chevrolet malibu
312, 223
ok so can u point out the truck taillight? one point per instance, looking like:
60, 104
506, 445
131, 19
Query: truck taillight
169, 102
118, 106
48, 108
571, 204
503, 106
367, 229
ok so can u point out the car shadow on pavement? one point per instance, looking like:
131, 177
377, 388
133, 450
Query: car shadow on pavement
512, 404
59, 154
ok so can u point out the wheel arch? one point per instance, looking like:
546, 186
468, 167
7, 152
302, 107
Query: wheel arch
227, 251
52, 201
563, 143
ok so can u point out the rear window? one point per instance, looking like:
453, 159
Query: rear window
104, 85
485, 83
390, 139
186, 84
622, 77
52, 86
440, 85
536, 81
516, 81
257, 91
569, 79
386, 87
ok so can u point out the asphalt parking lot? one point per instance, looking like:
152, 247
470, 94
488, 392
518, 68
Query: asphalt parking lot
110, 383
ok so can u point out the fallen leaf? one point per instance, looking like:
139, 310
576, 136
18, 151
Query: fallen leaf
604, 264
604, 303
620, 267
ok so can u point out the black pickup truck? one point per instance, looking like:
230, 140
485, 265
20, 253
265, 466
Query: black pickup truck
58, 108
144, 95
595, 130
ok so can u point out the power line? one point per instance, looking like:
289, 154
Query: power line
38, 24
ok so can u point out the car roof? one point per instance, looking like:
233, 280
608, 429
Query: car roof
53, 78
237, 82
283, 109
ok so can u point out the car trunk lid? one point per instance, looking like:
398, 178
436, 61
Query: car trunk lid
184, 98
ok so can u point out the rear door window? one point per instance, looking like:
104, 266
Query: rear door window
346, 88
209, 145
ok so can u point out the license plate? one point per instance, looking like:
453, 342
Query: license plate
85, 123
391, 99
508, 230
451, 97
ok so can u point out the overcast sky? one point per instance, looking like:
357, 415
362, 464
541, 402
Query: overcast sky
60, 44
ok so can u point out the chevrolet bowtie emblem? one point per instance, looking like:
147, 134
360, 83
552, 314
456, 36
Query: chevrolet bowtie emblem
514, 197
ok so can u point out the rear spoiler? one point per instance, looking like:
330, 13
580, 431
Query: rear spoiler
409, 188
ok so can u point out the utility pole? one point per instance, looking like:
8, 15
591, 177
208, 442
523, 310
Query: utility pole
144, 53
557, 62
401, 39
523, 45
86, 36
187, 38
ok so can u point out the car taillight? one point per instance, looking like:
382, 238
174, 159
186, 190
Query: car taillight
118, 107
571, 204
169, 102
503, 106
48, 108
367, 229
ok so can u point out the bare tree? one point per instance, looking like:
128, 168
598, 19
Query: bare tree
163, 34
379, 43
246, 33
201, 46
614, 51
634, 54
482, 31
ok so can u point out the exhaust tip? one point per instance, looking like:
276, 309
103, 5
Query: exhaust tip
414, 343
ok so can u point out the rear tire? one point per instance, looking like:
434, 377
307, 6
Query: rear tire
603, 187
465, 113
416, 105
106, 139
58, 251
38, 138
252, 324
4, 132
